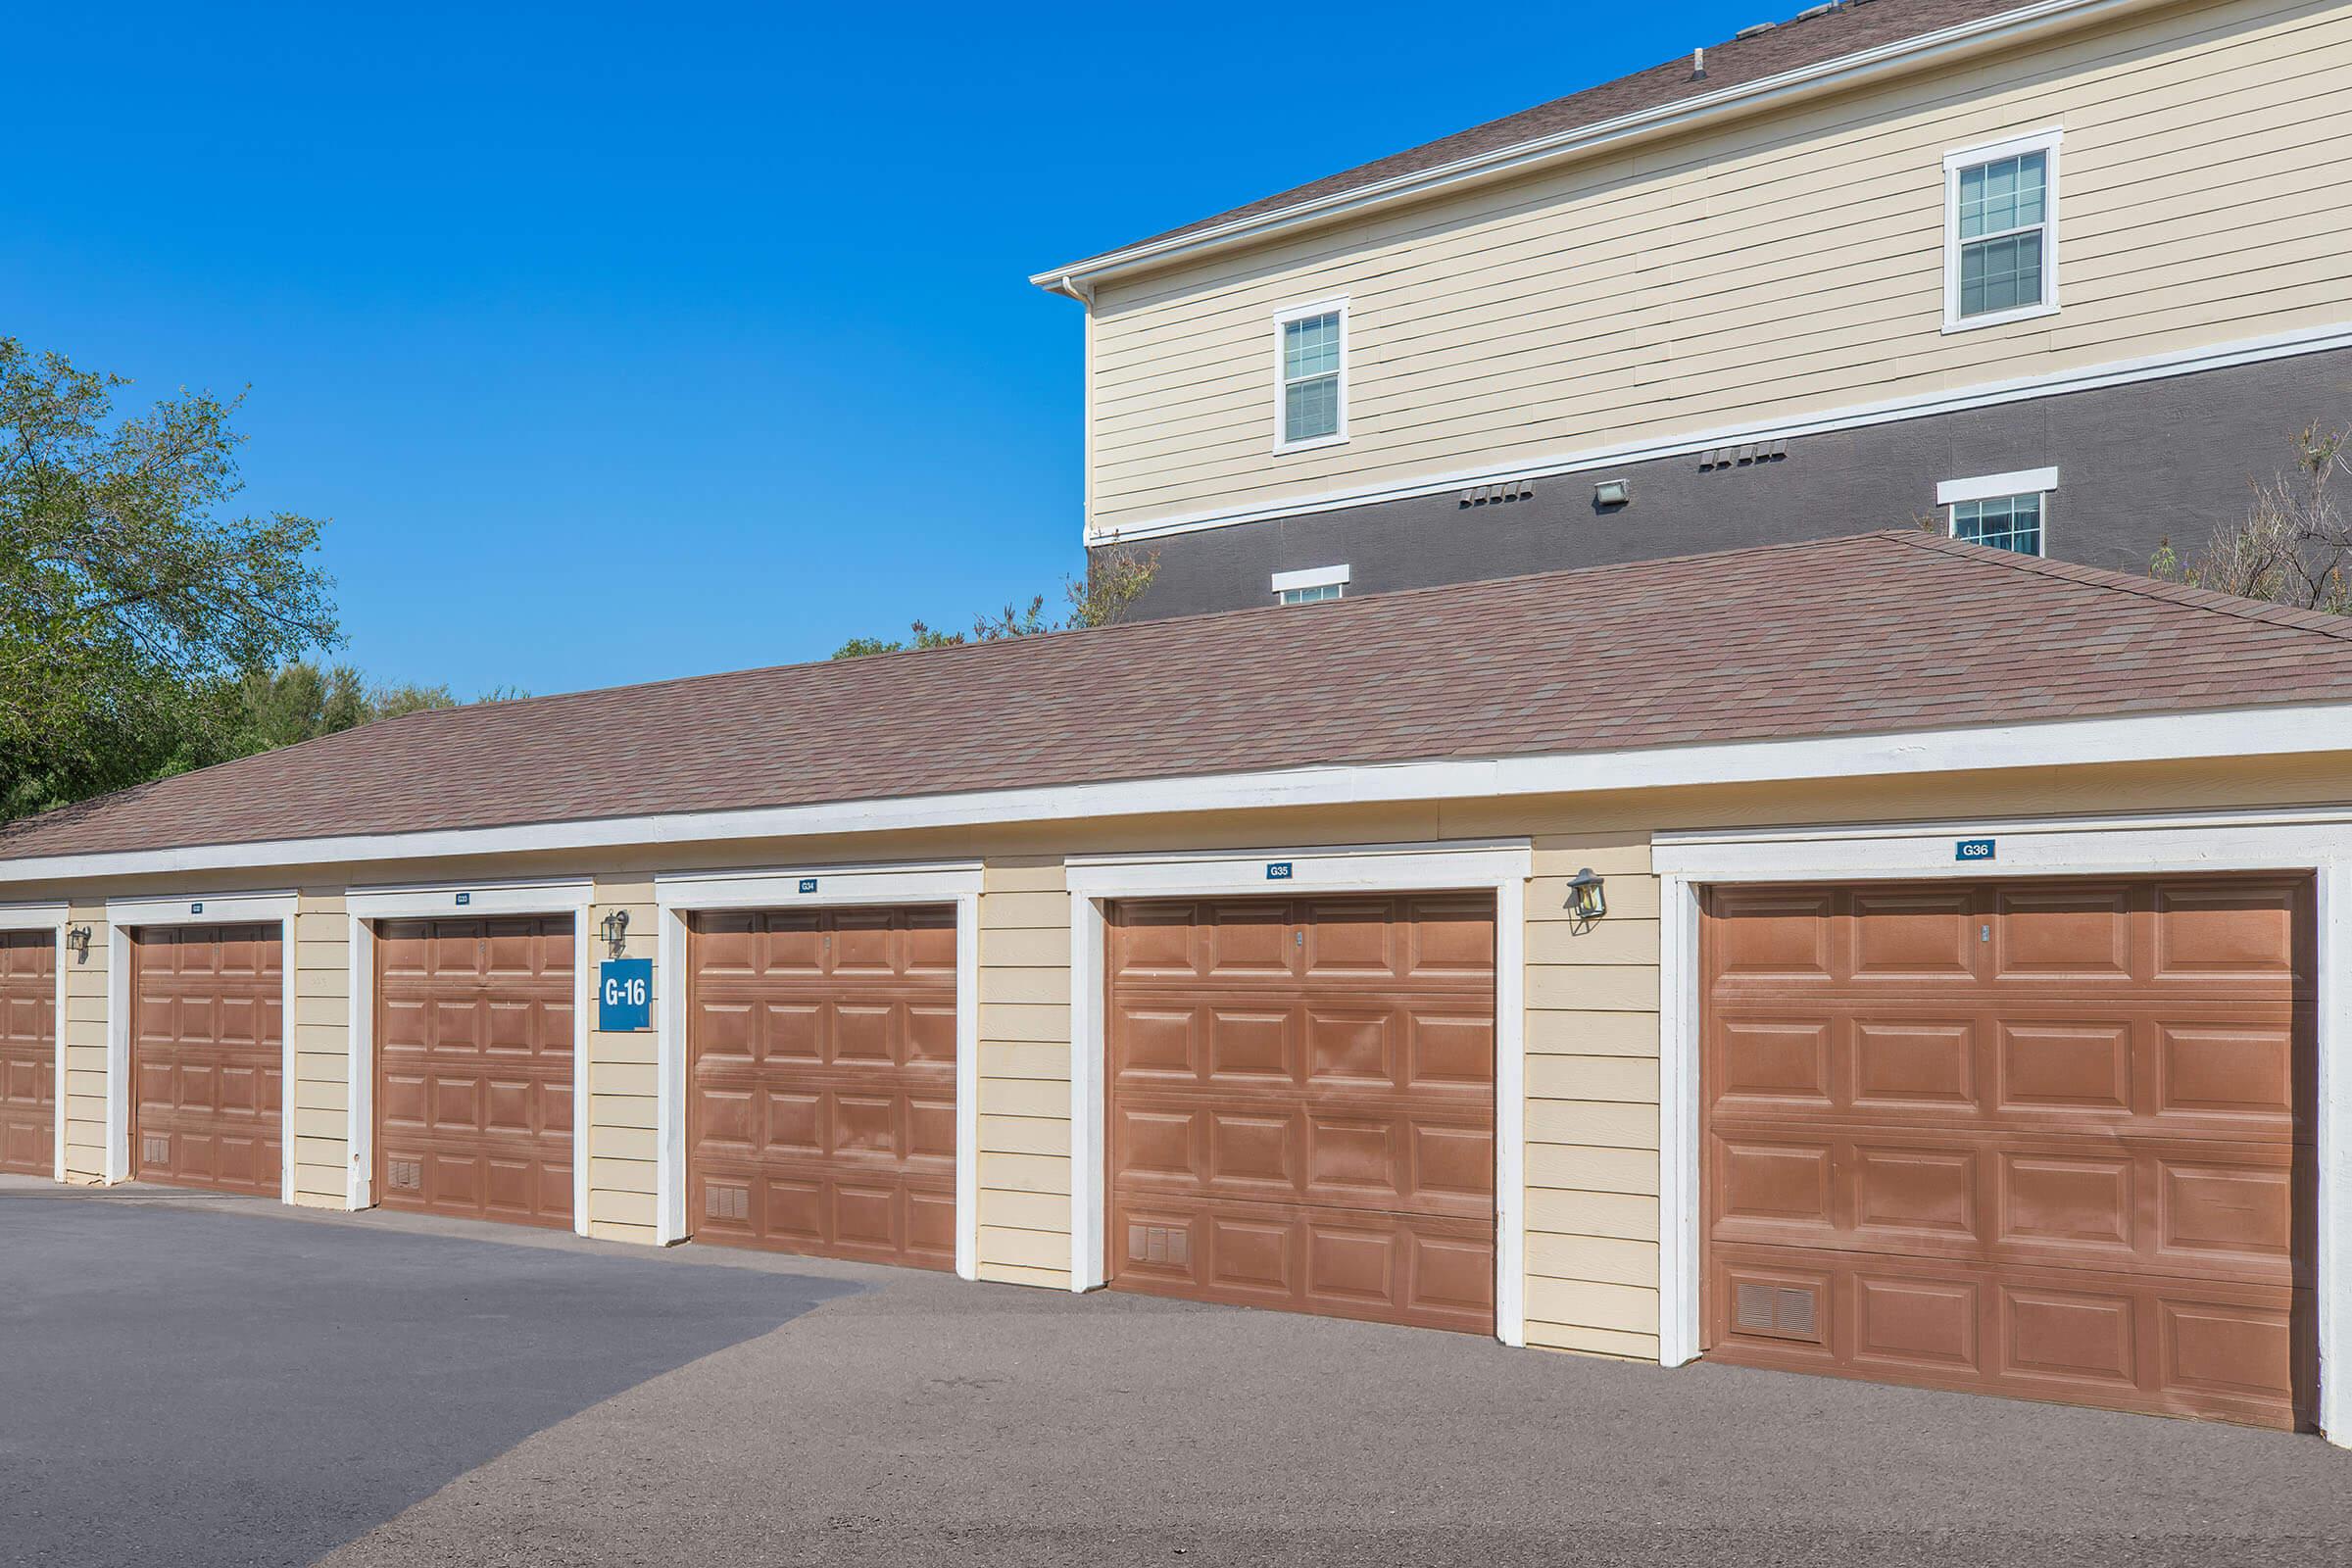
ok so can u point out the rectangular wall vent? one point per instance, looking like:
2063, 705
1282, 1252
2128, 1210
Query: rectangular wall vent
1159, 1243
727, 1202
155, 1149
405, 1175
1784, 1311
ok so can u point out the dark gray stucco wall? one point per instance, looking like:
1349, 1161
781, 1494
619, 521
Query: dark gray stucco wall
2136, 463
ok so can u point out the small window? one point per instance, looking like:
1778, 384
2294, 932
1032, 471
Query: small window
2004, 510
1310, 586
2001, 233
1311, 409
2006, 522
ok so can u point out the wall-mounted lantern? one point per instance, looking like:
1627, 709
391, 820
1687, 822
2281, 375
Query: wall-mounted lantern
77, 943
1587, 897
616, 930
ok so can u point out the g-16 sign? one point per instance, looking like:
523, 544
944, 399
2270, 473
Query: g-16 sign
624, 995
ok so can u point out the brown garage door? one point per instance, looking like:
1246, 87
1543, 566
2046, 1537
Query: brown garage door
1301, 1104
2045, 1139
474, 1048
28, 1051
823, 1060
208, 1023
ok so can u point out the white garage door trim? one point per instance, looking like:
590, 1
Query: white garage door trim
51, 917
124, 915
680, 894
2318, 842
460, 901
1502, 867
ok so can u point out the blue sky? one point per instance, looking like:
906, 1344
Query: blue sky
631, 341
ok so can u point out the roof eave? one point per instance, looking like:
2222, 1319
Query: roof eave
1079, 280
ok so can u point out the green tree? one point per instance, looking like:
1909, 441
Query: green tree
1114, 580
132, 601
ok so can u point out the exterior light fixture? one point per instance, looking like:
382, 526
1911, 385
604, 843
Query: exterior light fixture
1611, 493
77, 943
616, 930
1585, 899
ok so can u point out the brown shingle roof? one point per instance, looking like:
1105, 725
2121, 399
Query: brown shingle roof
1875, 633
1811, 40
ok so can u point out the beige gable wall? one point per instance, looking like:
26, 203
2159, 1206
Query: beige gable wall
1783, 265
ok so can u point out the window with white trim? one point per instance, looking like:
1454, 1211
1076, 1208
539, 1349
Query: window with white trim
1310, 586
1311, 363
2001, 233
2001, 510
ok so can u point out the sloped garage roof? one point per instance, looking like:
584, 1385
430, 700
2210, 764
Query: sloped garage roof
1874, 633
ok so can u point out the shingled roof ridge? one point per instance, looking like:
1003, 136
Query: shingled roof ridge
2319, 622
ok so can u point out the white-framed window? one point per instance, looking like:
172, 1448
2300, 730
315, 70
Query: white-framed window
1310, 375
2000, 231
2002, 510
1310, 586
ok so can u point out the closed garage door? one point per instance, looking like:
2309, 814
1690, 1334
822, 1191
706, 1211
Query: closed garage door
2045, 1139
28, 1051
1303, 1105
207, 1012
823, 1064
473, 1044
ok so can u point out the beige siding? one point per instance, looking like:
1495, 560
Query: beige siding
1025, 1072
1780, 266
1592, 1101
321, 1092
622, 1119
81, 1097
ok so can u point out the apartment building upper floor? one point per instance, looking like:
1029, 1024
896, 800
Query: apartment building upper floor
2060, 275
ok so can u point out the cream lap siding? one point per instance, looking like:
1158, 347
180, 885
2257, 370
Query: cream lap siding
81, 1097
1025, 1072
1785, 266
321, 1092
1592, 1103
623, 1133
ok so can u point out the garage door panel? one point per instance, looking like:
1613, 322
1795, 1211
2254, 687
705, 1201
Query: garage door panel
821, 1049
207, 1060
1298, 1119
475, 1067
2217, 1348
2041, 1137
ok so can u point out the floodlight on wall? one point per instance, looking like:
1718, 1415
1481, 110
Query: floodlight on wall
1587, 899
1611, 493
616, 930
77, 943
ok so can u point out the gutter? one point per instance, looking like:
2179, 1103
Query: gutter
1078, 279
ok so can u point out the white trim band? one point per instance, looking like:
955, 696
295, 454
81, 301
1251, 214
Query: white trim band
1991, 486
2300, 729
1889, 411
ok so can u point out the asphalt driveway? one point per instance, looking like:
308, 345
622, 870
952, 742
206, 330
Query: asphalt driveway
191, 1380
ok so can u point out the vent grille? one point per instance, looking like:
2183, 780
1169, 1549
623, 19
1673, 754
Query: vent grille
1784, 1311
727, 1202
1159, 1243
155, 1149
408, 1175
